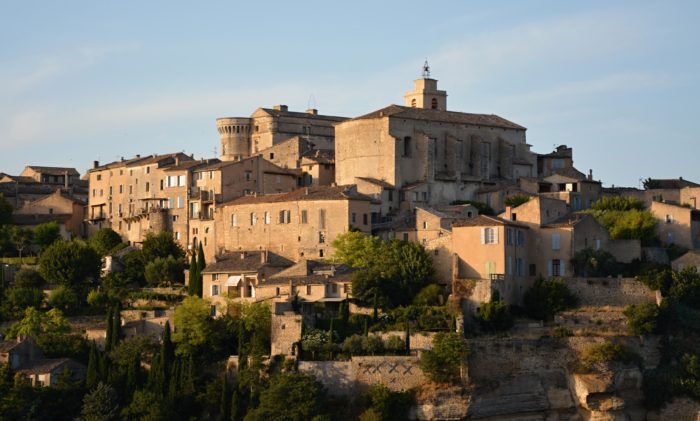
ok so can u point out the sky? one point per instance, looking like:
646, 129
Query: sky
84, 80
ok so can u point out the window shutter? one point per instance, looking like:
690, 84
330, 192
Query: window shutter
556, 241
562, 271
510, 266
495, 235
549, 268
483, 236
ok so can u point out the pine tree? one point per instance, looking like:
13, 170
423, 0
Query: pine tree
93, 376
110, 332
193, 276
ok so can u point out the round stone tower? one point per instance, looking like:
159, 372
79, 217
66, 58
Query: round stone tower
235, 137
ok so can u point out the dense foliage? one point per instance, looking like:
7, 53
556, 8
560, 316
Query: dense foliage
443, 363
548, 297
595, 263
625, 219
494, 316
516, 200
70, 263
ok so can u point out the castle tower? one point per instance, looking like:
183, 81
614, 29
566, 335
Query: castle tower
425, 93
234, 133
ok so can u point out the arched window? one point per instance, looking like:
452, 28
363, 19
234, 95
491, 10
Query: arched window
413, 103
433, 103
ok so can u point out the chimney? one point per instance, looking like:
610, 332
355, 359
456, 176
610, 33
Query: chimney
263, 256
312, 111
65, 179
138, 155
590, 175
243, 255
95, 164
509, 212
280, 107
122, 159
177, 160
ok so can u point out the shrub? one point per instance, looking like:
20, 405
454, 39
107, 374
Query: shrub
494, 316
617, 203
642, 318
353, 345
395, 344
606, 352
516, 200
443, 363
431, 295
548, 297
372, 345
64, 299
28, 278
595, 263
164, 271
386, 405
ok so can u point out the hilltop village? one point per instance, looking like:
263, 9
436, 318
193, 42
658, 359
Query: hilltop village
413, 262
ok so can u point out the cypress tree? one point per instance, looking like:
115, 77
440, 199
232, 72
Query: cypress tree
92, 375
225, 399
235, 405
116, 326
187, 377
110, 332
408, 338
193, 276
375, 313
155, 377
201, 264
345, 311
167, 354
132, 376
330, 333
365, 331
175, 375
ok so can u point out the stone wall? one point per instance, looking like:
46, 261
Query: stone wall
420, 341
349, 377
614, 292
286, 331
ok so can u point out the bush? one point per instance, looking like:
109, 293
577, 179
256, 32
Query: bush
164, 271
516, 200
483, 208
395, 344
617, 203
595, 263
642, 318
494, 316
443, 363
64, 298
372, 345
606, 352
29, 278
386, 405
105, 240
353, 345
431, 295
548, 297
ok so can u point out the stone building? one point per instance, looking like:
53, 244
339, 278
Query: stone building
60, 207
679, 225
430, 155
242, 137
24, 357
237, 275
302, 223
36, 182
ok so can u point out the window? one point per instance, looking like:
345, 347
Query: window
364, 219
425, 196
234, 220
277, 291
489, 236
533, 270
304, 217
413, 103
405, 236
556, 241
94, 191
101, 192
322, 218
669, 219
519, 266
334, 288
353, 217
321, 237
99, 177
308, 290
513, 216
131, 189
509, 236
597, 244
161, 184
267, 218
253, 218
110, 190
391, 195
214, 290
556, 267
248, 175
407, 146
433, 103
148, 186
121, 188
320, 253
212, 311
180, 202
521, 238
425, 225
147, 170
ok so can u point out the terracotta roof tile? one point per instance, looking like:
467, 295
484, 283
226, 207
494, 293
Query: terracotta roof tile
246, 261
303, 194
486, 221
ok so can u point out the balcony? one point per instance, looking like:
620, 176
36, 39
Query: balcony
205, 196
202, 216
497, 276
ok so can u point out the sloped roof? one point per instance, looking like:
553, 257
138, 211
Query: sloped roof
7, 346
398, 111
321, 156
669, 183
569, 172
46, 365
54, 170
304, 194
486, 221
691, 257
375, 181
569, 220
246, 261
22, 179
308, 272
299, 114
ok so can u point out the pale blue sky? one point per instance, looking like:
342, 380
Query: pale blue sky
83, 80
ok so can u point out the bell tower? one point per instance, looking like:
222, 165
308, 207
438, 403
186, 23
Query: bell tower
425, 93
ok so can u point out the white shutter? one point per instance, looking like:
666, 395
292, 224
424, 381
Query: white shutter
495, 235
556, 241
549, 268
562, 270
483, 236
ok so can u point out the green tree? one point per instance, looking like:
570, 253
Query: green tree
101, 404
161, 245
193, 276
105, 240
21, 238
116, 326
685, 287
290, 397
146, 406
431, 295
494, 316
64, 299
5, 210
617, 203
595, 263
46, 234
70, 263
356, 249
93, 375
29, 278
388, 405
16, 300
642, 318
134, 267
353, 345
192, 319
35, 323
548, 297
443, 363
164, 271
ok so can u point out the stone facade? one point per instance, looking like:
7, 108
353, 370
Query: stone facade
285, 333
59, 207
677, 224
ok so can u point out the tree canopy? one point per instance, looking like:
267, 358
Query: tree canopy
105, 240
547, 297
46, 234
290, 397
443, 363
161, 245
71, 263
